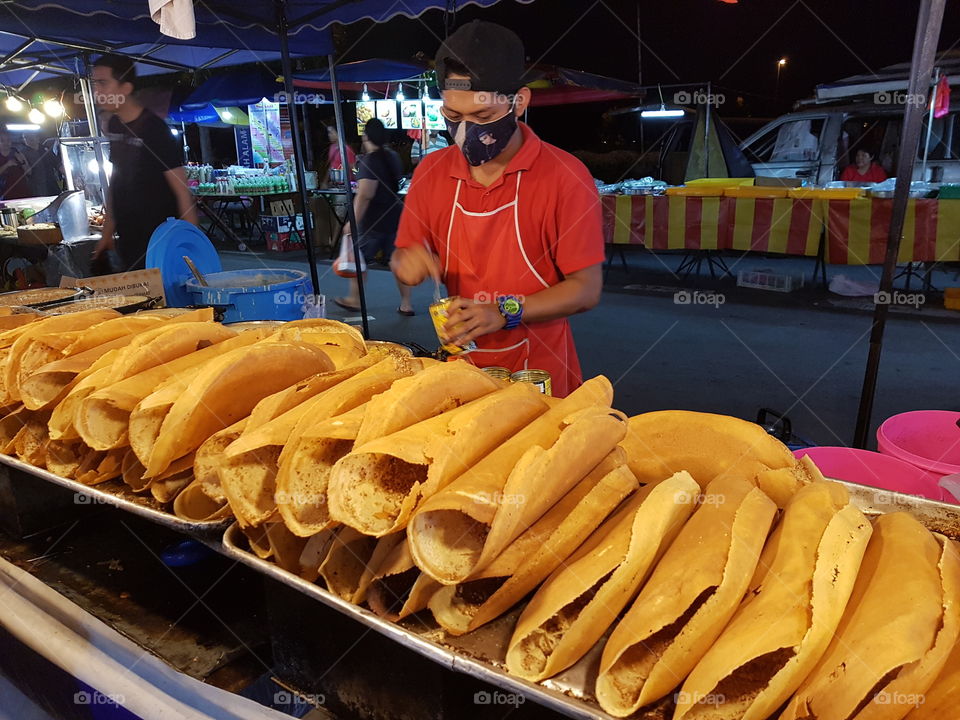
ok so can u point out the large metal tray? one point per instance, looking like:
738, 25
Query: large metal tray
118, 494
478, 654
481, 652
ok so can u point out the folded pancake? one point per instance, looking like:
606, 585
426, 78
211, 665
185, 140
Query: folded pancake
221, 393
128, 325
342, 343
943, 697
167, 343
398, 588
195, 505
437, 389
11, 322
539, 551
899, 628
102, 418
52, 334
688, 600
207, 461
174, 479
376, 487
581, 599
301, 480
49, 384
346, 564
63, 458
257, 540
462, 528
46, 369
285, 548
97, 466
11, 424
799, 592
249, 468
30, 443
315, 550
707, 446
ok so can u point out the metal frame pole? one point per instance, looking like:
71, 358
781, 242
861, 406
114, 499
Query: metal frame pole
282, 29
351, 215
929, 20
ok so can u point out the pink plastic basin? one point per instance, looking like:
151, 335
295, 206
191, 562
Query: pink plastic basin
929, 439
875, 470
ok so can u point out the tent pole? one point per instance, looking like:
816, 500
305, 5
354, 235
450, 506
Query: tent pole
929, 20
351, 215
706, 133
926, 144
282, 29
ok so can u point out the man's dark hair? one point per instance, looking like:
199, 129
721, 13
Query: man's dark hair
123, 68
375, 131
454, 67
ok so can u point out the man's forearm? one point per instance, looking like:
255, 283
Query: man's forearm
568, 297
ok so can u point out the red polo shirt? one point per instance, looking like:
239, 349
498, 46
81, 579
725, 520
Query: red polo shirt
557, 218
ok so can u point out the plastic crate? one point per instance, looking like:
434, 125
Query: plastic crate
768, 280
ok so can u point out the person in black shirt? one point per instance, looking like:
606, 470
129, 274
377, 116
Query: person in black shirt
377, 208
148, 183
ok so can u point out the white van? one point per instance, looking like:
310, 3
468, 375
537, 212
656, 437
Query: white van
817, 143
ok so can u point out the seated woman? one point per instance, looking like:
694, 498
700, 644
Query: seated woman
864, 169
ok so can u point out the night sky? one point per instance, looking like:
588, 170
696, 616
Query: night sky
735, 46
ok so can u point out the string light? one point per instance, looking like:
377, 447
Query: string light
35, 116
13, 104
53, 108
366, 96
400, 97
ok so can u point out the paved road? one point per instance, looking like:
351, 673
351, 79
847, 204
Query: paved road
728, 358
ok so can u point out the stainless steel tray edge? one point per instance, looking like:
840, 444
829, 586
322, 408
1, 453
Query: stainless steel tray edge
553, 699
108, 498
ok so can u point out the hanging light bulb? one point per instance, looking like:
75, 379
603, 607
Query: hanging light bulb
53, 108
366, 96
400, 97
13, 104
35, 116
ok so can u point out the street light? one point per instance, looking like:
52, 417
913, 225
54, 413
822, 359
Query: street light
781, 63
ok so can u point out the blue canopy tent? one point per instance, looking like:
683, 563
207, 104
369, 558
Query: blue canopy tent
296, 26
241, 88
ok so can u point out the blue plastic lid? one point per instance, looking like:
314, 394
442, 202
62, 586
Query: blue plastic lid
169, 243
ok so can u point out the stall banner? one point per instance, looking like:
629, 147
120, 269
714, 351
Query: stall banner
387, 112
411, 115
366, 110
265, 134
857, 231
776, 225
241, 135
435, 120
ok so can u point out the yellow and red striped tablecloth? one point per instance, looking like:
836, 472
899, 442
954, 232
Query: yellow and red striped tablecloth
713, 223
857, 231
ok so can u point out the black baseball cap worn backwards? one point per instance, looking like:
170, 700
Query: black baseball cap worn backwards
492, 55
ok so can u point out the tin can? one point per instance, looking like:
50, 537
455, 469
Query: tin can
438, 313
540, 378
500, 373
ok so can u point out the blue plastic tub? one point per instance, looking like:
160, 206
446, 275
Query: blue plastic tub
264, 294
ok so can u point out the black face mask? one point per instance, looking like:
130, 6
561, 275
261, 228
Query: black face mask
482, 142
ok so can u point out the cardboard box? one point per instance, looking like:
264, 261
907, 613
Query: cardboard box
284, 242
281, 223
138, 282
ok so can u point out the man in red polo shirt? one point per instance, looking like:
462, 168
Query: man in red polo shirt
511, 224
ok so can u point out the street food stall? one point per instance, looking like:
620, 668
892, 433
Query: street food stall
414, 538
